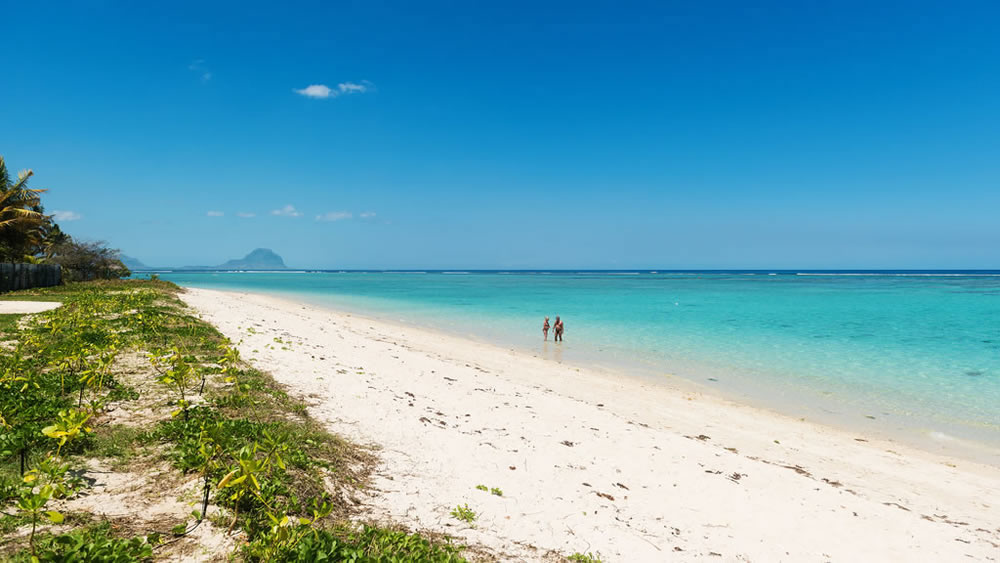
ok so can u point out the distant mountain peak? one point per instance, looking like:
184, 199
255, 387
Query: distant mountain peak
258, 259
133, 263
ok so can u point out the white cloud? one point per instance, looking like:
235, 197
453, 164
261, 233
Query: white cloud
287, 211
367, 215
66, 215
334, 216
198, 66
215, 214
322, 91
246, 215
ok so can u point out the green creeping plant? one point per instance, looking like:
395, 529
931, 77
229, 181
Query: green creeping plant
464, 513
584, 558
90, 545
369, 544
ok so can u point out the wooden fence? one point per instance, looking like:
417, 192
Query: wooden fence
26, 276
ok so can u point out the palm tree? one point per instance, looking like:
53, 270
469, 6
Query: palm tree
21, 215
18, 203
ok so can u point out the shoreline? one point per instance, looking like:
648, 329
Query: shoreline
790, 400
626, 468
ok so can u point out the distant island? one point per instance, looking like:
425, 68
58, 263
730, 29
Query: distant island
258, 259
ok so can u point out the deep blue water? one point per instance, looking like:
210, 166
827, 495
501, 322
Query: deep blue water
917, 352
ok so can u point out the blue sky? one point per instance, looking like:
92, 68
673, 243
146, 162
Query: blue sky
515, 134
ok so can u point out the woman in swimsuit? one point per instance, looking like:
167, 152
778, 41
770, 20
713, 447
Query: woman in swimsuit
559, 329
545, 328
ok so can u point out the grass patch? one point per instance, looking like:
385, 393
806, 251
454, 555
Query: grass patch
8, 323
118, 442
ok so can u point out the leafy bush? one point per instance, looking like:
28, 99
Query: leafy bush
370, 545
94, 545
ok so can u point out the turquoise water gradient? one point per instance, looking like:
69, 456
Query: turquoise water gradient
912, 353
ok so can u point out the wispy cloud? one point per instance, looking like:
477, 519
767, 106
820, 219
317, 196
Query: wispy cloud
367, 215
334, 216
215, 214
246, 215
354, 88
66, 215
287, 211
199, 67
322, 91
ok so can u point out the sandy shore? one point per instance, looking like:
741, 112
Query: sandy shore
590, 461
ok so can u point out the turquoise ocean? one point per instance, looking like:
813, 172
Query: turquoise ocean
912, 355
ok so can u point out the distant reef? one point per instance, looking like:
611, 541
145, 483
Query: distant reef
258, 259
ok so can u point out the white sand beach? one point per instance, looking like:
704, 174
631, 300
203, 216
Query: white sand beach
593, 461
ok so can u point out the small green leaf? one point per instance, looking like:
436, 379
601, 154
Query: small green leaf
225, 480
55, 517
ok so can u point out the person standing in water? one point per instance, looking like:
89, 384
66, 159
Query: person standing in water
545, 329
559, 327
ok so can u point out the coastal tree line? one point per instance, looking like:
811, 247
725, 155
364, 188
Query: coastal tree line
28, 235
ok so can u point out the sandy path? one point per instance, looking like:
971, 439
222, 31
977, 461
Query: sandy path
27, 307
592, 461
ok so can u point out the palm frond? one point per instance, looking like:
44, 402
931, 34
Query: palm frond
21, 213
4, 176
22, 179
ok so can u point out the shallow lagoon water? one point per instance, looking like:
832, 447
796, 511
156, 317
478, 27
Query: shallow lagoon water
895, 352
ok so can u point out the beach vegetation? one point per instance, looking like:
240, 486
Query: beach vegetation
464, 513
257, 465
370, 543
90, 543
584, 558
495, 491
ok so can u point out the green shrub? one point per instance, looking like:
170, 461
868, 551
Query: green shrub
371, 545
93, 545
